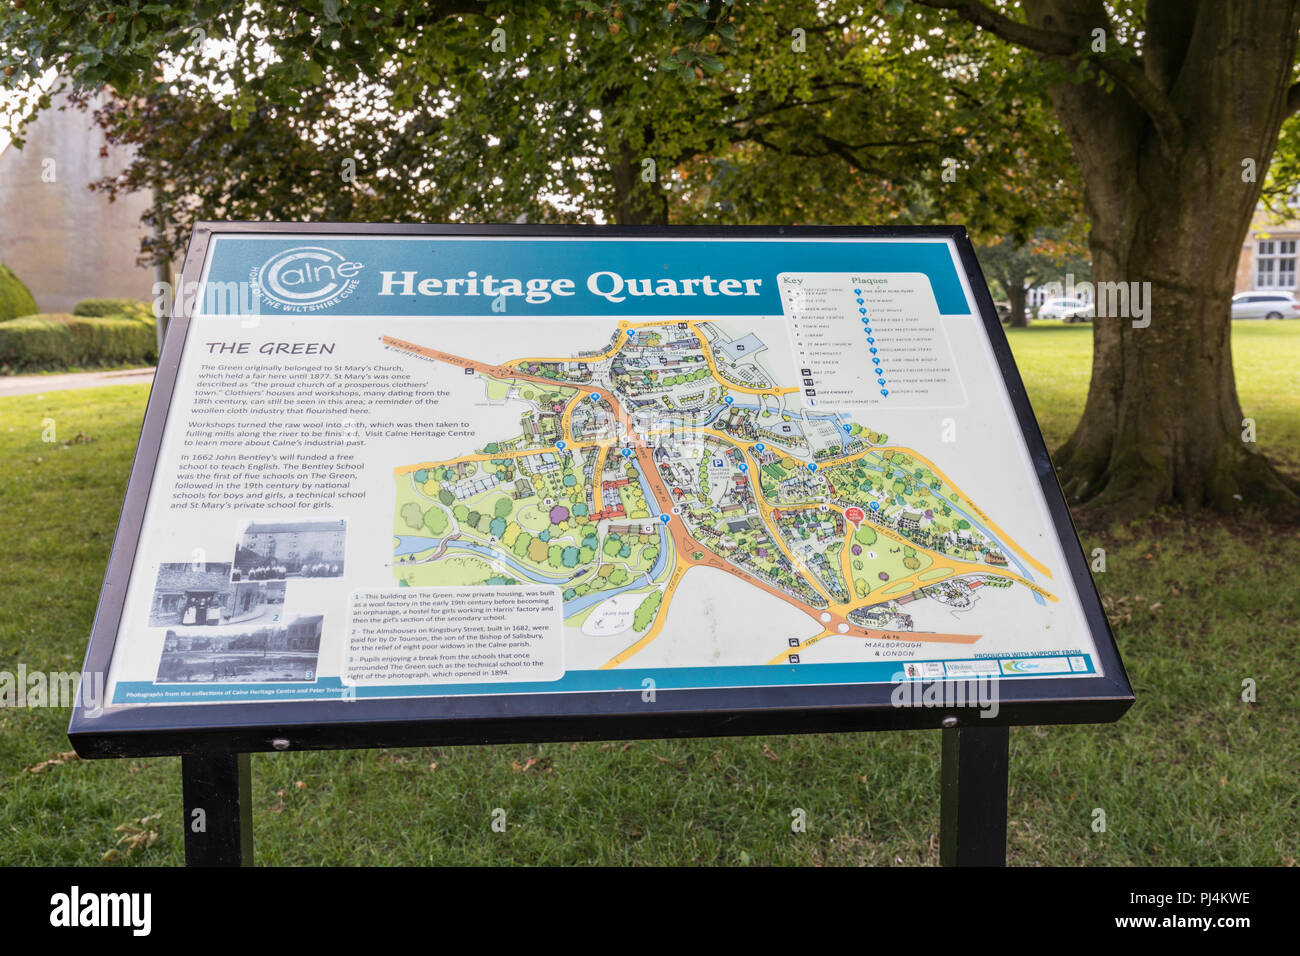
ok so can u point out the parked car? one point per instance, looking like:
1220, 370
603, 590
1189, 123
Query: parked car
1004, 309
1265, 305
1067, 310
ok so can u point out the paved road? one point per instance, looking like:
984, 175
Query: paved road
40, 384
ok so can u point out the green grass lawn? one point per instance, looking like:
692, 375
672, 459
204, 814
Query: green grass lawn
1192, 775
1056, 360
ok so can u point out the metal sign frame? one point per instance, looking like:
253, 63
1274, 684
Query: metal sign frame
604, 715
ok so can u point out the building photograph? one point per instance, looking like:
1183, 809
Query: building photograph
278, 550
281, 652
203, 595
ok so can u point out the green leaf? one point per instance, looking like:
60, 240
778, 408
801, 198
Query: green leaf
695, 27
710, 63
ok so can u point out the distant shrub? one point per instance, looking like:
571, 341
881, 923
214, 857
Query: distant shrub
62, 341
102, 308
15, 300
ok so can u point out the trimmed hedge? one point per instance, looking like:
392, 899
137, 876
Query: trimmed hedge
15, 299
103, 308
61, 341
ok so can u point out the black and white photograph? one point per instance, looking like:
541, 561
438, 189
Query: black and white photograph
279, 652
192, 594
271, 551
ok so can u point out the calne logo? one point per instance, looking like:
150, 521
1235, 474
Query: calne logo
306, 278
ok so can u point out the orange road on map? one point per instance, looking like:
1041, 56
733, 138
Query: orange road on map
939, 560
832, 620
597, 476
998, 532
707, 349
686, 546
783, 657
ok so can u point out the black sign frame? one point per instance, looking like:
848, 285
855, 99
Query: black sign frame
191, 729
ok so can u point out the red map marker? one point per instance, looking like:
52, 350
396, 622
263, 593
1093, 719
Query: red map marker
855, 515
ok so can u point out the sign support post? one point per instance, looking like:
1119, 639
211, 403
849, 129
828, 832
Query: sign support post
973, 796
218, 801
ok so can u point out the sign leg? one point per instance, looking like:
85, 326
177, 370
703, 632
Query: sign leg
973, 801
217, 793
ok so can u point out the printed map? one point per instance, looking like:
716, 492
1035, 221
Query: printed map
674, 447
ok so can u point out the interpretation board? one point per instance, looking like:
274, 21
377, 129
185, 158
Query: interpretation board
429, 484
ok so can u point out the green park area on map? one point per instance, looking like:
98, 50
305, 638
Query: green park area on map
672, 420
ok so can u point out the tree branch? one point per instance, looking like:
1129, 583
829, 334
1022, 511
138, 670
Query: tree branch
1293, 99
1127, 75
1048, 42
1153, 101
849, 159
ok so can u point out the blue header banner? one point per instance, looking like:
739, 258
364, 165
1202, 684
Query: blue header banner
314, 274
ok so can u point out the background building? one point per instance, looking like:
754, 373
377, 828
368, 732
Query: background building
64, 241
1268, 256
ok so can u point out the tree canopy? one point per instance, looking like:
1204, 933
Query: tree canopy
791, 111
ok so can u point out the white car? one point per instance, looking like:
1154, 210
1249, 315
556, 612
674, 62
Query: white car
1265, 305
1067, 310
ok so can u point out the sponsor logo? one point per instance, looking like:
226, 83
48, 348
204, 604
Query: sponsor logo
924, 669
1035, 666
970, 668
306, 279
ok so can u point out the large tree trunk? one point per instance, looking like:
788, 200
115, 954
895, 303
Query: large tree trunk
1019, 318
637, 201
1162, 424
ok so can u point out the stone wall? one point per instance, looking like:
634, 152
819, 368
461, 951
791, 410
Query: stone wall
64, 241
